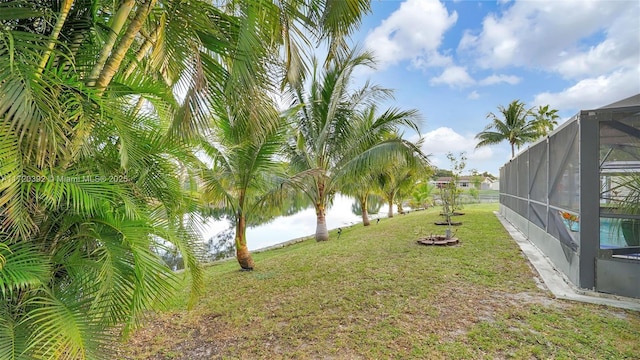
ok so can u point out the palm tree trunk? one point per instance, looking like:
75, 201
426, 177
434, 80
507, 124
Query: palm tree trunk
116, 25
390, 199
112, 66
242, 251
513, 152
144, 49
322, 234
365, 214
64, 12
73, 46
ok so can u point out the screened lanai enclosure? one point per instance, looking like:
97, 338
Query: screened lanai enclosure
576, 196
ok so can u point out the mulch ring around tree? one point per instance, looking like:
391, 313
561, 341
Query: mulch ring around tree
446, 223
438, 240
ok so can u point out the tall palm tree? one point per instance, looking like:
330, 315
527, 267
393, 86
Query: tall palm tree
514, 127
330, 137
518, 125
246, 133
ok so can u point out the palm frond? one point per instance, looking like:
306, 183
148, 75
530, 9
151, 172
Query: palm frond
24, 268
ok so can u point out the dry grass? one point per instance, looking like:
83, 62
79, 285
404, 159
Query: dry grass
375, 293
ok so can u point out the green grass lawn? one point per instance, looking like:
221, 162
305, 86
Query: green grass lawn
374, 293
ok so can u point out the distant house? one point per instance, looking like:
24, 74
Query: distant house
495, 184
466, 182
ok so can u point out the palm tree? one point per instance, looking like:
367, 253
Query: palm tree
79, 235
365, 203
422, 195
362, 188
545, 119
246, 131
245, 170
92, 180
330, 137
518, 125
363, 184
396, 181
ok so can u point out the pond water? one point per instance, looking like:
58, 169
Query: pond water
218, 235
285, 228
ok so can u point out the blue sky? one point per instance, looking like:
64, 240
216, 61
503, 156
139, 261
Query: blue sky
455, 61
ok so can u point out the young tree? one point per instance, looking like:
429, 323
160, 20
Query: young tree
450, 192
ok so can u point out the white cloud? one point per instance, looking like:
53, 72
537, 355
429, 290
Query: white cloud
454, 76
458, 77
594, 92
473, 95
552, 35
443, 140
413, 32
497, 79
596, 60
439, 142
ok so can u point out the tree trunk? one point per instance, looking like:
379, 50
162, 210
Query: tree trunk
365, 214
242, 251
113, 64
144, 49
513, 152
64, 11
390, 207
116, 26
322, 234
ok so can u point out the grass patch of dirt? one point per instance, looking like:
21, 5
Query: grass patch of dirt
374, 293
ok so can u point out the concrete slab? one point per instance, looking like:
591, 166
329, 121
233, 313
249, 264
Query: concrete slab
555, 281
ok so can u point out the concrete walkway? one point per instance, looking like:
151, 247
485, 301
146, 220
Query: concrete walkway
555, 281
